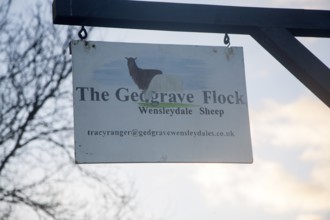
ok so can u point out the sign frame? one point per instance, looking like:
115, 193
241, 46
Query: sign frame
119, 120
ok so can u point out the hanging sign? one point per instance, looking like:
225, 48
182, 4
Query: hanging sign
159, 103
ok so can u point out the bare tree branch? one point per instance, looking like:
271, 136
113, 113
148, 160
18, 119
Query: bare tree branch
36, 153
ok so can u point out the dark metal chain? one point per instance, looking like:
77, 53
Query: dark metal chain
226, 40
82, 33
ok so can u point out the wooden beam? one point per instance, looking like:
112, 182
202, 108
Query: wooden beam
297, 59
188, 17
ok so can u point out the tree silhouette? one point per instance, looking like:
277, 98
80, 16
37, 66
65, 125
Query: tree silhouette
38, 177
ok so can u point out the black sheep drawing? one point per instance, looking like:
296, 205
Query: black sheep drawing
141, 77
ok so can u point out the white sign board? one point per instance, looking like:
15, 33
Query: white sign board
159, 103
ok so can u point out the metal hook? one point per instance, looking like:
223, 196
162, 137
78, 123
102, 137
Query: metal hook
226, 40
82, 33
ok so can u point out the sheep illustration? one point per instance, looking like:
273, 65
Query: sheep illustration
141, 77
152, 80
164, 84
